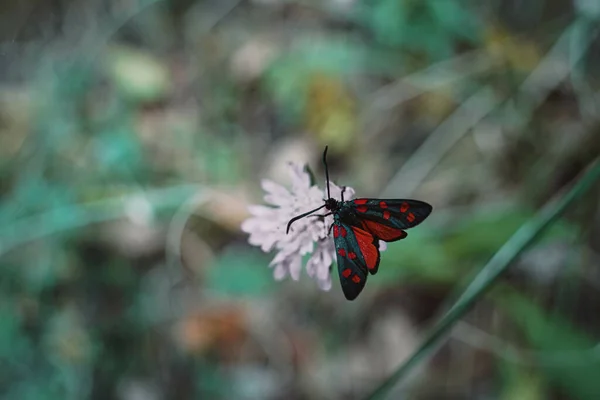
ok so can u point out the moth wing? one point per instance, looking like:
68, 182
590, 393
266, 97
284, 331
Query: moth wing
387, 219
357, 254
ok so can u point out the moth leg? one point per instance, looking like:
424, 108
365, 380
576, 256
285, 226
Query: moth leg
343, 190
322, 216
329, 231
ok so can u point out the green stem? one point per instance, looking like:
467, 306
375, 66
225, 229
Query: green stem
490, 272
76, 216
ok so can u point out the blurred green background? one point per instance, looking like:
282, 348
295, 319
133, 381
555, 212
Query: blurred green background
135, 133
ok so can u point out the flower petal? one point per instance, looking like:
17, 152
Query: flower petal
318, 266
266, 227
280, 272
300, 178
260, 211
295, 266
382, 245
252, 225
274, 188
336, 192
276, 194
325, 284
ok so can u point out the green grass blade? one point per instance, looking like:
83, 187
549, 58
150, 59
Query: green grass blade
566, 356
488, 275
79, 215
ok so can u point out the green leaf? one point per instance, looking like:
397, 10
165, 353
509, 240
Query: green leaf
241, 272
288, 78
481, 234
118, 151
521, 382
554, 335
138, 75
388, 20
406, 260
80, 215
221, 161
15, 348
430, 27
455, 18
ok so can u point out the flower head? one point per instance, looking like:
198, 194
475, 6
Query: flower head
307, 235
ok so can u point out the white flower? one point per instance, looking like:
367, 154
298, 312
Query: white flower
308, 235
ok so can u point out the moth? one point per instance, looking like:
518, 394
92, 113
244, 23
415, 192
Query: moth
359, 225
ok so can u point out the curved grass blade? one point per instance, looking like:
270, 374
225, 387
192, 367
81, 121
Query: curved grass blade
79, 215
488, 275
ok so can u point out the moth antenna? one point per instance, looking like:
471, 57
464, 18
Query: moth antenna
300, 216
326, 171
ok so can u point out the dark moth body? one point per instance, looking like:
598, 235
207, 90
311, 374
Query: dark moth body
359, 225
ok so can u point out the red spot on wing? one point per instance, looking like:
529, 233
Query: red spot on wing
342, 252
343, 231
369, 251
346, 273
356, 279
382, 204
384, 232
386, 214
404, 207
352, 255
362, 208
360, 201
410, 217
336, 231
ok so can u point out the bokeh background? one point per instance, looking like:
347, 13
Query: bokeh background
135, 133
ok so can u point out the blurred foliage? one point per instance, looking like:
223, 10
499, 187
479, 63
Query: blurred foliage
521, 383
462, 248
133, 136
238, 274
571, 368
430, 28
